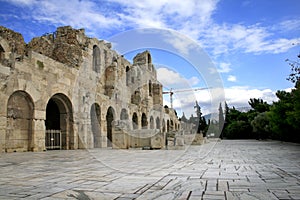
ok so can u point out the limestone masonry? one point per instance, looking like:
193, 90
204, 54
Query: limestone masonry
67, 91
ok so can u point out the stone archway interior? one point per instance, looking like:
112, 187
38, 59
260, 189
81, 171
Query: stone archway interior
19, 122
59, 123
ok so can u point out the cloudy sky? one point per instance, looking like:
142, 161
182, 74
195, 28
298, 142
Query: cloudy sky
248, 41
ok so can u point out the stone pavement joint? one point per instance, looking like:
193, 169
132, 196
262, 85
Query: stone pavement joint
230, 169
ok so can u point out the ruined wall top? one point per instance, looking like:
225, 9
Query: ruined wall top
15, 41
143, 58
65, 45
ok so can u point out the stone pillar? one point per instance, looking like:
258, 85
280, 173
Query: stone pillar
38, 135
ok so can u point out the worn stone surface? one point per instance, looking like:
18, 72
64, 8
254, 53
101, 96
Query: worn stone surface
216, 170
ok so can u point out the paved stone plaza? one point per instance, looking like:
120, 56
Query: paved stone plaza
217, 170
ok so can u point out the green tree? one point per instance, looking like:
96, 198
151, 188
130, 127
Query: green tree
295, 69
259, 105
239, 130
261, 126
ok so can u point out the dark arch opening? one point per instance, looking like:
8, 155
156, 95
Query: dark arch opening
109, 121
150, 88
163, 126
59, 123
168, 125
127, 76
134, 121
144, 121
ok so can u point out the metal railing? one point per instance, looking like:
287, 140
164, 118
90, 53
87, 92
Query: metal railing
53, 139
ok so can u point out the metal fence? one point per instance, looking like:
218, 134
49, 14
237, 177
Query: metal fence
53, 139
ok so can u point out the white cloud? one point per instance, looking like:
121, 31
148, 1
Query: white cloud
235, 96
256, 39
239, 96
173, 79
224, 67
231, 78
191, 17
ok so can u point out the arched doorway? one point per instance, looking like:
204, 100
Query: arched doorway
59, 123
144, 121
19, 134
134, 121
96, 124
109, 121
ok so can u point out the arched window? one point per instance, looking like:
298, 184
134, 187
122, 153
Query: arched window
150, 88
96, 59
127, 76
134, 121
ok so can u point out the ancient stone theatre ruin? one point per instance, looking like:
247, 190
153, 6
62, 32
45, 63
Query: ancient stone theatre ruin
65, 90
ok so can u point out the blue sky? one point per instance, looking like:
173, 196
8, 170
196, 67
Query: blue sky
248, 41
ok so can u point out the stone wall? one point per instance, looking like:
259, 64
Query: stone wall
58, 80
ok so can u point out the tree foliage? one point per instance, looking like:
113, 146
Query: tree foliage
280, 120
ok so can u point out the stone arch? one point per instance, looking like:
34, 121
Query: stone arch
171, 125
19, 132
127, 76
144, 121
59, 119
96, 58
163, 126
110, 116
151, 123
157, 123
135, 121
96, 124
124, 114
